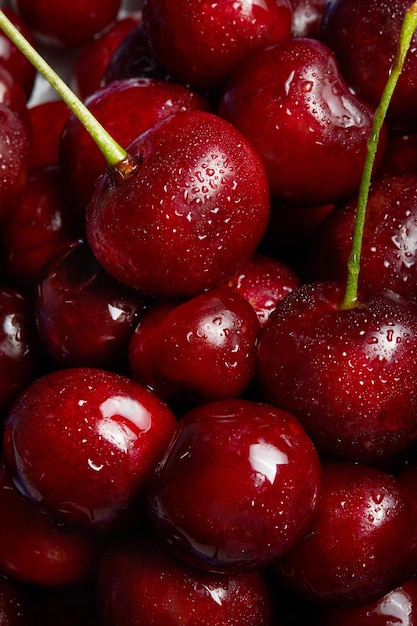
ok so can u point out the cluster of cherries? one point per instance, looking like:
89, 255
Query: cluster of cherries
203, 423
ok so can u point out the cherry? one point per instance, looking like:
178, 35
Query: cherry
81, 444
91, 62
237, 487
14, 148
397, 606
38, 228
202, 349
349, 28
337, 369
362, 541
47, 120
263, 282
34, 551
307, 103
13, 96
388, 259
151, 100
18, 346
67, 24
192, 214
12, 59
85, 317
201, 43
129, 590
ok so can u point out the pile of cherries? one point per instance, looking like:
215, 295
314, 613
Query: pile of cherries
201, 424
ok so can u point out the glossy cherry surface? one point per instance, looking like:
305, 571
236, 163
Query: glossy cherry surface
201, 350
33, 551
133, 574
349, 28
37, 229
14, 148
19, 348
362, 542
237, 487
190, 216
306, 103
337, 370
81, 444
389, 256
201, 43
84, 316
151, 100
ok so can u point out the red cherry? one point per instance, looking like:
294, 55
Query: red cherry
32, 550
362, 541
81, 445
306, 102
14, 148
201, 43
338, 370
21, 69
202, 349
237, 487
129, 591
84, 316
190, 216
67, 24
47, 120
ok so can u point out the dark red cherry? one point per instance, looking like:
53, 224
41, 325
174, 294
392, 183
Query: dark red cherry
348, 375
202, 349
362, 541
389, 255
237, 487
201, 43
14, 61
67, 24
398, 606
113, 105
263, 282
312, 136
190, 216
364, 38
14, 149
33, 551
47, 120
92, 60
19, 350
84, 316
129, 591
37, 229
82, 443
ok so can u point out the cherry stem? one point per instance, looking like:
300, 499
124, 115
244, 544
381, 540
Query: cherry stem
409, 25
112, 151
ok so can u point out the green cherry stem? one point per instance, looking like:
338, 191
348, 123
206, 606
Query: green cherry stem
409, 25
114, 154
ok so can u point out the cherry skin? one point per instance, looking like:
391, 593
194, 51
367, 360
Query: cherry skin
200, 350
201, 43
190, 216
67, 24
47, 120
18, 346
38, 228
81, 444
306, 102
129, 590
13, 96
237, 487
84, 316
389, 257
348, 28
151, 100
397, 606
338, 370
362, 541
91, 62
263, 282
12, 59
33, 551
14, 148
